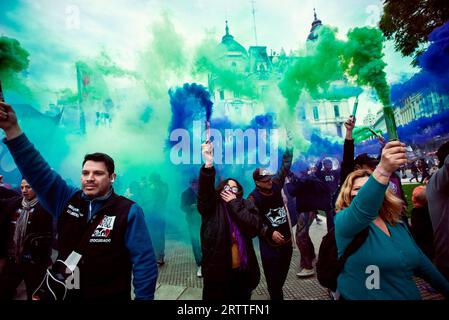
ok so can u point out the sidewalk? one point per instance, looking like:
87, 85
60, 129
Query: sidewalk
177, 279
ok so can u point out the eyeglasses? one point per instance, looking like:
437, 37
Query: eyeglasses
232, 189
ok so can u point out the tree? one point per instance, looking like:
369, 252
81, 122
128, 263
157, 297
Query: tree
409, 22
13, 58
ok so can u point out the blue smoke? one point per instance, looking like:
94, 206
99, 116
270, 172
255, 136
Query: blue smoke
186, 106
434, 63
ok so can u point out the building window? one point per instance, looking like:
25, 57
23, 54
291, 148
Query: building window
337, 111
303, 114
339, 132
316, 116
221, 94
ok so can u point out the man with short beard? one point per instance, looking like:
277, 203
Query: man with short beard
116, 243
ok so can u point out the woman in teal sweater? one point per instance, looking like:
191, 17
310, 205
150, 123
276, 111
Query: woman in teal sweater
382, 268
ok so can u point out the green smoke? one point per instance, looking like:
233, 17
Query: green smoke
209, 59
13, 60
363, 60
164, 60
329, 59
363, 133
94, 73
67, 96
105, 66
314, 72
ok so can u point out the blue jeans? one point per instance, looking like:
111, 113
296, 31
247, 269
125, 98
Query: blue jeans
194, 224
156, 228
275, 262
303, 240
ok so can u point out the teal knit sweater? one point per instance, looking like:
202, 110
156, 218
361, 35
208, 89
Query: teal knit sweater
383, 267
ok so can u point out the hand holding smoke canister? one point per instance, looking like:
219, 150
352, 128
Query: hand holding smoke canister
390, 123
207, 130
2, 98
354, 108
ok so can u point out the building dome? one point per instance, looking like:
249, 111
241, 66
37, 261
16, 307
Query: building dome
315, 26
230, 44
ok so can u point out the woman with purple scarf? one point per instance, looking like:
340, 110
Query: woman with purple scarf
229, 222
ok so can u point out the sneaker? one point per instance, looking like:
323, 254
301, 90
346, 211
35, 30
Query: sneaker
306, 273
199, 274
333, 295
160, 261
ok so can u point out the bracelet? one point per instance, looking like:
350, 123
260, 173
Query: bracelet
383, 173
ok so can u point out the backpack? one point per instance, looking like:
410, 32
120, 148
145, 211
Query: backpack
329, 266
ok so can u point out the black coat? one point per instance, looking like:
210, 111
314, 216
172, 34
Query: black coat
309, 194
215, 235
39, 234
422, 230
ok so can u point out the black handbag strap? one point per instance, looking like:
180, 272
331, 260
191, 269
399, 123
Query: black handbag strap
355, 244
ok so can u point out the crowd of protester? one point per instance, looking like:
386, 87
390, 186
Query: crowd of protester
378, 245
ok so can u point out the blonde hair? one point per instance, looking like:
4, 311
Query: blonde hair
391, 208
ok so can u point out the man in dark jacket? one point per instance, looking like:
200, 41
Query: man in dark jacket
229, 265
26, 237
156, 192
276, 251
438, 200
117, 241
308, 190
189, 206
330, 179
421, 225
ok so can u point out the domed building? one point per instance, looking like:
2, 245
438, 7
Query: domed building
237, 104
327, 114
255, 72
235, 54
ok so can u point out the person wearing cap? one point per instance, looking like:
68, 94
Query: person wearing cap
276, 251
193, 218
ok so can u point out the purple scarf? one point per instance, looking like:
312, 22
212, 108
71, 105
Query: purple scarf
233, 229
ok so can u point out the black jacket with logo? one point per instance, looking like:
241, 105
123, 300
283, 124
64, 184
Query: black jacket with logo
105, 267
272, 209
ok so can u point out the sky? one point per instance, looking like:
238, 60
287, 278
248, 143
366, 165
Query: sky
59, 33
